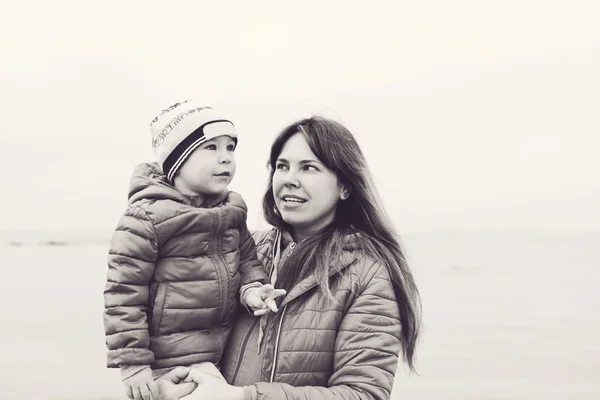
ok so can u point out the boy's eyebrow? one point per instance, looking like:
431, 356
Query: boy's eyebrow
229, 140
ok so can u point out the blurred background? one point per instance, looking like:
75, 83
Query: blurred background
479, 120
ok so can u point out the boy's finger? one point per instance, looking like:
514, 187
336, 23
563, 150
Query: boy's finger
260, 312
128, 391
153, 390
136, 393
276, 293
177, 375
193, 378
264, 291
145, 392
271, 304
266, 288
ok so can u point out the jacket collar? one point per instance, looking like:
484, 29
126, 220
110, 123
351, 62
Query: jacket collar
148, 182
282, 241
311, 282
207, 201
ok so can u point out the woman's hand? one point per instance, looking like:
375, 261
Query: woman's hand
212, 385
172, 386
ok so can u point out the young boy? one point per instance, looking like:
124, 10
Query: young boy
180, 253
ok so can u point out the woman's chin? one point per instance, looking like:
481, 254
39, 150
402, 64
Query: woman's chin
290, 217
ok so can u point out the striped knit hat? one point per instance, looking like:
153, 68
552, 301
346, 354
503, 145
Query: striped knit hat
178, 130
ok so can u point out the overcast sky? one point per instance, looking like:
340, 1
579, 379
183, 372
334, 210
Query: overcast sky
474, 115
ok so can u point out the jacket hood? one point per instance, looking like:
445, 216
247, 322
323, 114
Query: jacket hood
149, 183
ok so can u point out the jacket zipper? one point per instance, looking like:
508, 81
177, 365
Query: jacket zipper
275, 353
243, 351
252, 328
277, 344
219, 256
292, 245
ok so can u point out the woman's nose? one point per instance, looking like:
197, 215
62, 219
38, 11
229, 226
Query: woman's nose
290, 179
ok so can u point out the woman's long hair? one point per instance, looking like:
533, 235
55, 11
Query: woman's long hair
361, 214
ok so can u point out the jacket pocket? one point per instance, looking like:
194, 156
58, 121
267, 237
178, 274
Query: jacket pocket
152, 289
157, 309
217, 334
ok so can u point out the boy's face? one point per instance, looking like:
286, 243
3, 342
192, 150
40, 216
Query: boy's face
209, 169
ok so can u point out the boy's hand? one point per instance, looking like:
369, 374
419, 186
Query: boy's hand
262, 299
141, 386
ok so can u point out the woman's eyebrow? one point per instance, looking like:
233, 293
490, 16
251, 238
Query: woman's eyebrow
302, 162
310, 161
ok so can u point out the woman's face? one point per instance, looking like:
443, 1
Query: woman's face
306, 192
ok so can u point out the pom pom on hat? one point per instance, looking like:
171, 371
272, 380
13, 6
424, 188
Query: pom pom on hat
179, 129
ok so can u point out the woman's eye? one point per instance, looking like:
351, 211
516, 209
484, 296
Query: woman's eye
310, 168
280, 166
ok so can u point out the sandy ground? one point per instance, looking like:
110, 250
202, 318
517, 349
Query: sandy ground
505, 317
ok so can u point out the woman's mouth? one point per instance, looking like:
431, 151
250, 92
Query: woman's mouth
224, 174
291, 199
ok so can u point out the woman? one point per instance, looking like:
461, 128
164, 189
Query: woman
351, 306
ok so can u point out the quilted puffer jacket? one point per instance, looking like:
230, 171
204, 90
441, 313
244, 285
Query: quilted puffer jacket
175, 266
317, 348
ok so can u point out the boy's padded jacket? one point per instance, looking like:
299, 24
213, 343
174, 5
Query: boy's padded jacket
175, 266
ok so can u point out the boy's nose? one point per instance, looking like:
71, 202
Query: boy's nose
225, 158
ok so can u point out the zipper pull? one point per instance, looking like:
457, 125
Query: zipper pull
292, 245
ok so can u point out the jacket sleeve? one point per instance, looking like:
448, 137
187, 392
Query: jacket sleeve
366, 348
131, 259
250, 268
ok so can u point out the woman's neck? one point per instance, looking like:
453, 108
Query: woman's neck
299, 235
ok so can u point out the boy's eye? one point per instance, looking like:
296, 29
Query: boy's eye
211, 147
231, 147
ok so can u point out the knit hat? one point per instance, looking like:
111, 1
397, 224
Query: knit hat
179, 129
